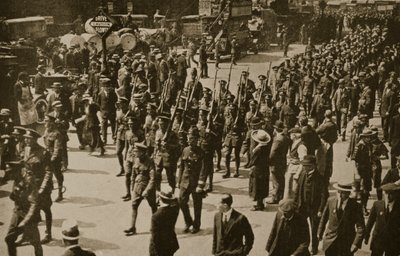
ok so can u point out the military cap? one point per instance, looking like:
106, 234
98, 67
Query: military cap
287, 205
105, 82
30, 133
262, 77
362, 74
115, 56
253, 102
86, 96
5, 112
56, 85
122, 99
151, 106
223, 82
156, 51
164, 117
70, 230
18, 130
127, 51
57, 104
137, 56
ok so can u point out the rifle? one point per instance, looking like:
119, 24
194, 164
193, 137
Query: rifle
239, 99
169, 128
229, 77
163, 93
210, 117
189, 98
262, 90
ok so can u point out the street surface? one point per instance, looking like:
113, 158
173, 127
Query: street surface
93, 195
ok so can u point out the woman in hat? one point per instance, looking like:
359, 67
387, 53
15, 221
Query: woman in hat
259, 173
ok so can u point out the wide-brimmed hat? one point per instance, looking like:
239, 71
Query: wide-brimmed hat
341, 186
70, 230
261, 136
367, 133
256, 121
390, 187
262, 77
18, 130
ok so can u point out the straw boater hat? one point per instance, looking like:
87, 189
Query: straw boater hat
367, 133
70, 230
261, 136
340, 186
167, 197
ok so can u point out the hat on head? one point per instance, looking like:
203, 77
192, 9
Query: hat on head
367, 133
340, 186
18, 130
70, 230
308, 160
115, 56
295, 130
30, 133
253, 102
151, 106
390, 187
5, 112
122, 99
223, 82
49, 117
164, 117
232, 106
56, 85
159, 56
139, 69
156, 51
57, 104
86, 96
167, 197
40, 67
137, 56
105, 82
245, 72
261, 137
362, 74
287, 205
204, 109
279, 125
262, 77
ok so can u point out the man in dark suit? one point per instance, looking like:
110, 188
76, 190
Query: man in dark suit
230, 227
181, 70
70, 235
278, 161
386, 108
394, 137
163, 241
345, 229
393, 175
289, 234
40, 86
385, 216
106, 101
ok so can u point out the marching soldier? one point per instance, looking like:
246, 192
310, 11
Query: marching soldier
143, 184
191, 181
106, 101
25, 217
166, 153
132, 136
122, 127
234, 127
62, 125
195, 88
379, 150
340, 106
77, 111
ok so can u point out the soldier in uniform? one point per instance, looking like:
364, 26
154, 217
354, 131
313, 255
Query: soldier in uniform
234, 127
143, 184
122, 127
191, 181
62, 125
149, 127
308, 88
340, 106
106, 101
250, 86
26, 215
132, 136
195, 88
77, 111
289, 113
166, 153
379, 150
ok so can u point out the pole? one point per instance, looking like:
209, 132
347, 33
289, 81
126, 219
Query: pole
104, 67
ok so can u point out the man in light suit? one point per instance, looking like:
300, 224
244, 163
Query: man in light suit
385, 216
343, 223
230, 227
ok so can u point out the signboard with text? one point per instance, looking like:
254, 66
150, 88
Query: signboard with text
101, 23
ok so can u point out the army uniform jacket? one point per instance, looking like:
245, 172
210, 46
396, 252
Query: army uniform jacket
53, 141
233, 132
130, 140
166, 155
122, 125
363, 155
191, 171
143, 176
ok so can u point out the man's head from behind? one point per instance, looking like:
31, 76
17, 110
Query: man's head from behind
225, 203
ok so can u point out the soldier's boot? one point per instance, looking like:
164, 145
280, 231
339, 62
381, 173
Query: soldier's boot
132, 230
364, 201
60, 194
49, 219
227, 166
247, 165
237, 167
127, 197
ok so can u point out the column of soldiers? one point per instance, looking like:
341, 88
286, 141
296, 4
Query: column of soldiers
286, 125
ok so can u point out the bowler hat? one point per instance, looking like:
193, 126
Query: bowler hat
340, 186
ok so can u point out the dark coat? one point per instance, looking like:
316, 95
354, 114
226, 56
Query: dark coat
163, 238
394, 135
229, 240
107, 102
259, 174
279, 149
391, 176
298, 237
77, 251
386, 234
351, 226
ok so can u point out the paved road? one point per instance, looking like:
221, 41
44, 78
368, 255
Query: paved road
93, 196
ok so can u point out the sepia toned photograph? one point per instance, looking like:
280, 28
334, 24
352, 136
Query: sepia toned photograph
199, 127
